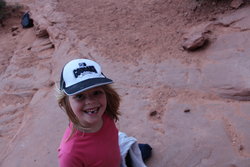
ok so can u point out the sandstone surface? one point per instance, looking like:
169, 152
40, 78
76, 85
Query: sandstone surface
191, 107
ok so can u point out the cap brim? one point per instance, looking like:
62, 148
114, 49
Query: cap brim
87, 84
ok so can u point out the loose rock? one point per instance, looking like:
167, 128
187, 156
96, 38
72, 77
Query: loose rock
236, 3
194, 42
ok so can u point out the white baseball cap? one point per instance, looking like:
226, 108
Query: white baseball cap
79, 75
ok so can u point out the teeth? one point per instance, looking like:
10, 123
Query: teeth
91, 111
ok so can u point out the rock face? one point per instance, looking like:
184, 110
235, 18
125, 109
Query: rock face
191, 107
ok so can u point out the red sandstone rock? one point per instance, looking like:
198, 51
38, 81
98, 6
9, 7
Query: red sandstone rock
236, 3
195, 41
137, 39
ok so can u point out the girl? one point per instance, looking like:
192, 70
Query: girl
91, 104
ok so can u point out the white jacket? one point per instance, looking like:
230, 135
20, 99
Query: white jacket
130, 144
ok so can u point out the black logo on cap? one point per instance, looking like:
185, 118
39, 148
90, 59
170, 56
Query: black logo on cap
83, 68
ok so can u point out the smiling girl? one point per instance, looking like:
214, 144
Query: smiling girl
91, 104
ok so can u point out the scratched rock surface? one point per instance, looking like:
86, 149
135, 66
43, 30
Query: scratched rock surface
191, 107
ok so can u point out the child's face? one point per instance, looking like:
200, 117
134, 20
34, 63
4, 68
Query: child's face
89, 106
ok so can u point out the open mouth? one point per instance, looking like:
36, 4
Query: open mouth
92, 111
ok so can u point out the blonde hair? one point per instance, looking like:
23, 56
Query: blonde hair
112, 109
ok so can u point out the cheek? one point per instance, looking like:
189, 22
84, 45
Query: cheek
74, 106
104, 101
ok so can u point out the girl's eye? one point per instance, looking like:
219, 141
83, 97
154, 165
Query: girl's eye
97, 92
82, 96
79, 97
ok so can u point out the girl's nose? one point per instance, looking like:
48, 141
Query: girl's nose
89, 99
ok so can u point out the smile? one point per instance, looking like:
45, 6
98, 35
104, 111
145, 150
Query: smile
91, 111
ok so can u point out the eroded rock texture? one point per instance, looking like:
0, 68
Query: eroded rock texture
191, 107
